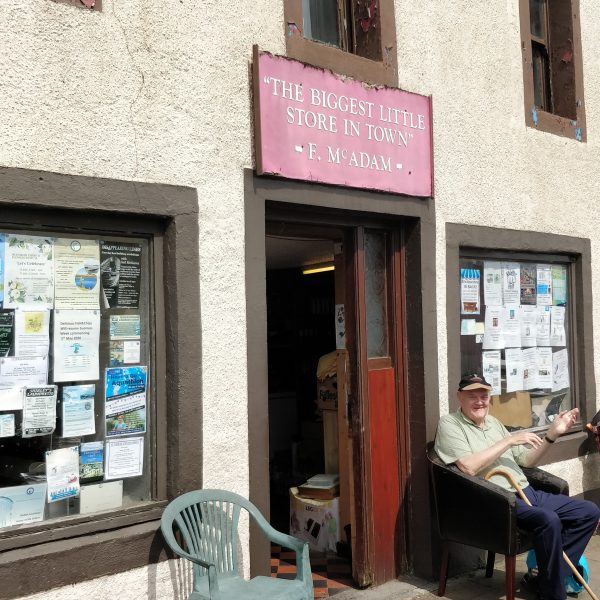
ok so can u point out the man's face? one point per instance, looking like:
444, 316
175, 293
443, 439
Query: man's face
475, 404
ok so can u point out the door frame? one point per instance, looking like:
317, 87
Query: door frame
331, 206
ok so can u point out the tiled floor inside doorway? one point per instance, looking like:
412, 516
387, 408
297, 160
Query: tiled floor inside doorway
331, 574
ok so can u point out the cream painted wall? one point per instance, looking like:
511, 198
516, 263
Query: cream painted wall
490, 169
158, 91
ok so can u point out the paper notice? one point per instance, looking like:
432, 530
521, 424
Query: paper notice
91, 460
469, 291
492, 283
514, 369
124, 327
511, 326
529, 326
557, 326
492, 370
560, 370
28, 271
493, 338
76, 339
39, 411
544, 364
340, 328
530, 368
544, 285
511, 283
78, 410
124, 458
7, 425
543, 326
32, 332
120, 266
18, 372
22, 504
62, 472
76, 274
528, 284
7, 332
559, 285
125, 409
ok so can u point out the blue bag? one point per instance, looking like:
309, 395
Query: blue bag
572, 585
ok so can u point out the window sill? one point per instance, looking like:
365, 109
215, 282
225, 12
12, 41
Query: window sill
328, 57
71, 527
567, 447
544, 121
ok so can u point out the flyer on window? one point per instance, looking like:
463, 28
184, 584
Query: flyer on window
7, 425
28, 271
469, 291
124, 352
560, 370
124, 327
120, 273
543, 326
15, 374
76, 273
511, 326
528, 283
491, 366
124, 458
78, 415
530, 368
559, 285
76, 343
544, 285
91, 460
492, 283
528, 326
493, 338
62, 473
22, 504
514, 369
125, 407
39, 411
544, 365
7, 332
511, 283
32, 332
557, 326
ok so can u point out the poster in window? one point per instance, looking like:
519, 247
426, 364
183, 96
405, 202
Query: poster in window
76, 343
15, 374
62, 472
559, 285
120, 270
543, 326
491, 365
544, 365
76, 274
493, 338
560, 370
39, 411
492, 283
528, 284
469, 291
28, 271
514, 369
511, 325
557, 326
78, 410
22, 504
125, 407
530, 368
544, 285
528, 326
7, 332
7, 425
124, 458
511, 283
91, 460
124, 327
32, 332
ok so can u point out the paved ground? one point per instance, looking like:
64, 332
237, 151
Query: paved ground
473, 586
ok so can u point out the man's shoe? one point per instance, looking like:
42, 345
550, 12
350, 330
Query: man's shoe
530, 581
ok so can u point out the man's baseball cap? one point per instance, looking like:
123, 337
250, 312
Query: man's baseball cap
473, 382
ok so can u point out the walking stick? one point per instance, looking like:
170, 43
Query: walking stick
525, 499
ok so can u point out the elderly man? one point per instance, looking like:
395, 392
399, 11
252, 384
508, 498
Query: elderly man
477, 443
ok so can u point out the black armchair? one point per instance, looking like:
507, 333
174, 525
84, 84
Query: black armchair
475, 512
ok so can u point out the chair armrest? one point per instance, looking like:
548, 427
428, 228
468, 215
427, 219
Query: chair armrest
545, 482
473, 511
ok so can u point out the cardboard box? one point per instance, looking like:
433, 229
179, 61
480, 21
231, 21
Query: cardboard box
513, 409
327, 396
315, 521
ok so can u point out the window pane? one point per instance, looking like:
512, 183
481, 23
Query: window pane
537, 19
321, 21
76, 399
376, 293
541, 77
516, 331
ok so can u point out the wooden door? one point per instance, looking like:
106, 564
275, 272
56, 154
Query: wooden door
379, 445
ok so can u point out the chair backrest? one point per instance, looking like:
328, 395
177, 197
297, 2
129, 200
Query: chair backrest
207, 521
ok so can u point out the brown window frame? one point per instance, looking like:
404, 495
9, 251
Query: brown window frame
168, 215
339, 60
546, 119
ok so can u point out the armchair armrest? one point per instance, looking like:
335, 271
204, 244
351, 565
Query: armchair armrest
545, 482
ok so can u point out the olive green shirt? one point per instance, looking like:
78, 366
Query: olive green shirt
458, 436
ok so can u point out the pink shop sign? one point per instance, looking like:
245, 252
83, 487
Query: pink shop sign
313, 125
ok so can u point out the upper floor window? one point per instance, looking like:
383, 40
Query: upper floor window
351, 37
552, 66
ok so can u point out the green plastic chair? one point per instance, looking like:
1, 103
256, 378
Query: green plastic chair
207, 523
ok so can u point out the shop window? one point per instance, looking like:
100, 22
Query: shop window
351, 37
552, 67
516, 318
77, 397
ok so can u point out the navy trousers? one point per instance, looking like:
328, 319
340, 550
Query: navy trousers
558, 523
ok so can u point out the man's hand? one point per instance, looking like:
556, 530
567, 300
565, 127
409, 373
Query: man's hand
526, 438
563, 422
